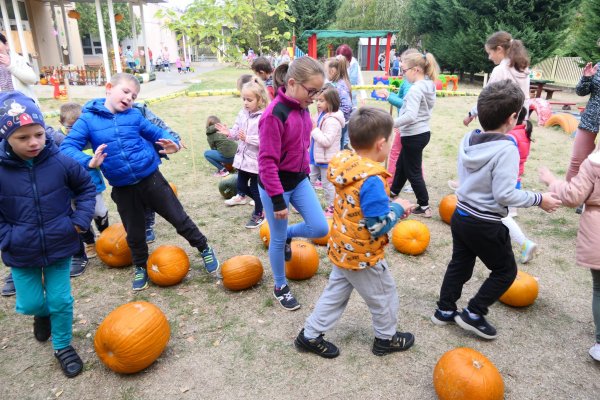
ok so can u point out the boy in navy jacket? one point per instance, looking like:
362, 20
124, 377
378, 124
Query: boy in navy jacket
123, 141
38, 227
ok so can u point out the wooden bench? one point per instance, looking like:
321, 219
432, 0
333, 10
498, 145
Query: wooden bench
549, 92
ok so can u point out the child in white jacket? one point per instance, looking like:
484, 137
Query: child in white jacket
325, 138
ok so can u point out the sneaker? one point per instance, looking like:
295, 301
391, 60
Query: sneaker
140, 281
256, 221
422, 212
285, 298
42, 328
69, 361
222, 173
329, 212
101, 222
401, 341
528, 251
453, 185
150, 236
252, 203
579, 209
440, 319
480, 326
212, 265
90, 250
319, 346
595, 352
294, 210
78, 265
408, 189
236, 200
393, 196
9, 286
318, 185
288, 249
512, 212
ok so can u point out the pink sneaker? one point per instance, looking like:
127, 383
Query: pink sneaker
221, 173
329, 212
318, 185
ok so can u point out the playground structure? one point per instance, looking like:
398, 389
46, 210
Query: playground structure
394, 82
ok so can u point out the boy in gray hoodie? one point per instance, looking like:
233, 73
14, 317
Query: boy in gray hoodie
488, 169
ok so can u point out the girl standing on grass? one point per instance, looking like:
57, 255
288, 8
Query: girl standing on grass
283, 159
325, 136
255, 98
337, 73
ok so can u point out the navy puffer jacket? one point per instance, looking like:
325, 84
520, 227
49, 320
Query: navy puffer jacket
36, 218
129, 137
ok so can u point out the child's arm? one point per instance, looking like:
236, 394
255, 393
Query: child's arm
331, 133
231, 133
76, 141
412, 101
375, 205
80, 183
269, 157
56, 135
574, 193
346, 101
584, 87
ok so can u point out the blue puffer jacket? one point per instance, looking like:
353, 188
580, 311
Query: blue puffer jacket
36, 218
128, 135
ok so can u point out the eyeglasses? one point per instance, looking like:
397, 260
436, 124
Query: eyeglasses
406, 70
311, 92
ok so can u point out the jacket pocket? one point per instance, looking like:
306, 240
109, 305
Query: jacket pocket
285, 153
5, 244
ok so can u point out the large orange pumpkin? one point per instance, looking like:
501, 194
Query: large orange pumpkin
174, 188
132, 337
304, 262
323, 241
447, 207
466, 374
168, 265
522, 292
112, 246
241, 272
265, 234
410, 237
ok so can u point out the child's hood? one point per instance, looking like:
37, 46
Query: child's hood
210, 130
477, 149
427, 87
346, 168
97, 106
339, 115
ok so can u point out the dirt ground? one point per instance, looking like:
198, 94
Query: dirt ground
228, 344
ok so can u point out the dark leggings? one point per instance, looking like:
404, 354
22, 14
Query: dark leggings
408, 166
250, 190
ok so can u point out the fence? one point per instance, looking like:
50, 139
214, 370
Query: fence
89, 75
562, 70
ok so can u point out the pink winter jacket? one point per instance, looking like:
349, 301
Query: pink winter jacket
584, 188
328, 136
246, 157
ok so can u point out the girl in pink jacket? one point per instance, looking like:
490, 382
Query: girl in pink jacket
325, 138
584, 188
256, 98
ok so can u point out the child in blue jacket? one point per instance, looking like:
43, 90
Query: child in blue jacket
123, 141
38, 227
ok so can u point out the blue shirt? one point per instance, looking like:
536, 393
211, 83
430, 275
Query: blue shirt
312, 147
375, 205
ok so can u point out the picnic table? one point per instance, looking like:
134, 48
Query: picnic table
540, 88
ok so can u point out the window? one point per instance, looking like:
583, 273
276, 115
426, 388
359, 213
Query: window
11, 11
91, 45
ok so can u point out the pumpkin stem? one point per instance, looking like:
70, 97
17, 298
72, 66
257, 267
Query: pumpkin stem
477, 364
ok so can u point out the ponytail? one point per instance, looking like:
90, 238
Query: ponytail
528, 126
529, 130
341, 70
426, 62
514, 49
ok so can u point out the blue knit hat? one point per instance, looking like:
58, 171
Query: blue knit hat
17, 110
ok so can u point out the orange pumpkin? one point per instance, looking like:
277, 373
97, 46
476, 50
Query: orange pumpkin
304, 262
132, 337
174, 188
265, 234
43, 81
118, 17
464, 373
241, 272
410, 237
168, 265
112, 246
447, 207
323, 241
522, 292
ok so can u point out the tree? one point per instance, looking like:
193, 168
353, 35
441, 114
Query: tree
398, 20
587, 35
88, 24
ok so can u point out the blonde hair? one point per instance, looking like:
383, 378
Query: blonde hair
515, 50
242, 80
301, 70
341, 70
70, 112
408, 52
259, 89
125, 77
424, 61
212, 120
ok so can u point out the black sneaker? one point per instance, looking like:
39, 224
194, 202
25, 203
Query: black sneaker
286, 299
440, 319
480, 326
9, 286
399, 342
69, 361
579, 209
422, 212
288, 250
319, 346
255, 221
78, 265
42, 328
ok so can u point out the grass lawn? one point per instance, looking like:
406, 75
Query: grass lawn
240, 344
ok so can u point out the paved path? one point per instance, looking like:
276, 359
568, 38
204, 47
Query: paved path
175, 81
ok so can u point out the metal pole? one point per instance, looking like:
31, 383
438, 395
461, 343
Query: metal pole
66, 24
146, 54
7, 30
133, 30
102, 40
20, 30
115, 39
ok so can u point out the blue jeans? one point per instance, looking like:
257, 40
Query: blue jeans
345, 138
250, 190
304, 198
131, 64
57, 301
151, 66
216, 158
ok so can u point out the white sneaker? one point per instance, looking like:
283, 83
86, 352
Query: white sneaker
252, 203
236, 200
595, 352
528, 251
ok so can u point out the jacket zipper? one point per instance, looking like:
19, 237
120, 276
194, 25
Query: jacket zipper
39, 213
121, 147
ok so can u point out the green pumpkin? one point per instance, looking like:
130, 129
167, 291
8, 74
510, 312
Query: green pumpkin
228, 186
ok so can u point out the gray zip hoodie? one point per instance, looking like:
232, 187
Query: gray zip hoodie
417, 108
488, 169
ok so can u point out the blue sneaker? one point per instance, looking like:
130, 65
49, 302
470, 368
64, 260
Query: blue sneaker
140, 282
442, 319
150, 236
480, 326
528, 251
213, 267
78, 265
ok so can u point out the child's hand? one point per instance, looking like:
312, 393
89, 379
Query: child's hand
182, 145
589, 70
168, 145
242, 135
222, 129
468, 120
283, 214
78, 229
98, 157
383, 93
546, 176
406, 205
550, 202
315, 120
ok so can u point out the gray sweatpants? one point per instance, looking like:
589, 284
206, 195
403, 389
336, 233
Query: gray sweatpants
374, 284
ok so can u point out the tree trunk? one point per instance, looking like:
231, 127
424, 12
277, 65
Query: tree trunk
461, 75
472, 77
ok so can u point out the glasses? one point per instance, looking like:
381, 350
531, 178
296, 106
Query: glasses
404, 71
311, 92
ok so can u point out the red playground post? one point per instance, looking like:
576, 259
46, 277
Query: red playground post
369, 56
377, 55
388, 46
